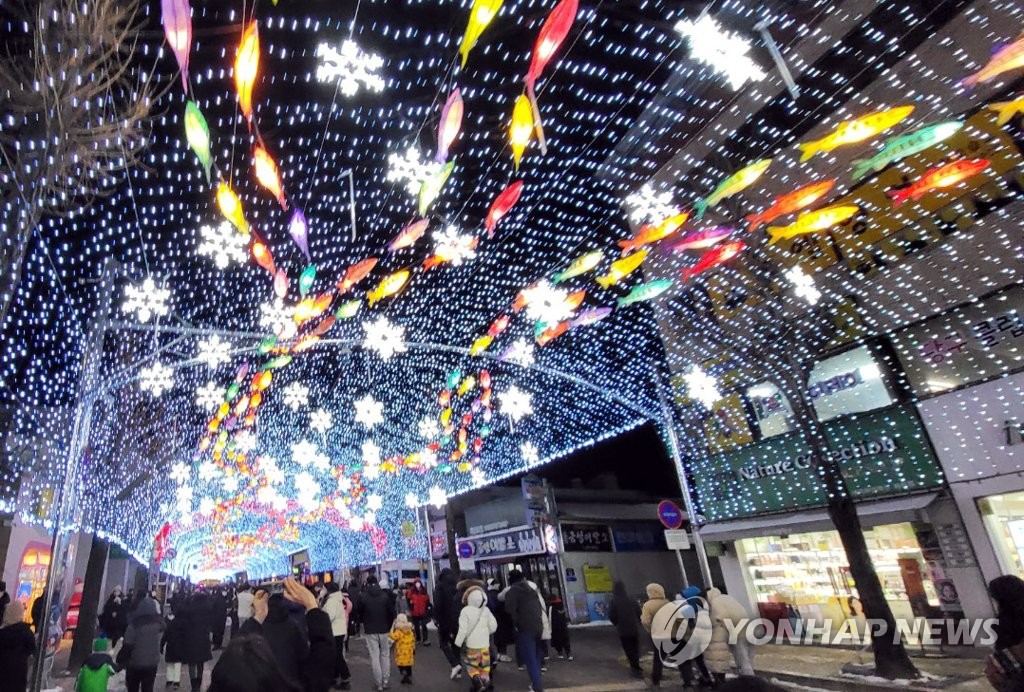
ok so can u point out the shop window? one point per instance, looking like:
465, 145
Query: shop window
35, 561
1004, 519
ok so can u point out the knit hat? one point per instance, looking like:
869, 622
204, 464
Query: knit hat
402, 622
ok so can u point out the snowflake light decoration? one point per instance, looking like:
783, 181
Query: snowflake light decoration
516, 403
344, 484
437, 497
371, 453
305, 453
351, 67
547, 304
723, 51
245, 441
370, 518
230, 484
307, 488
207, 505
296, 396
181, 472
803, 284
209, 396
371, 471
156, 378
184, 496
528, 451
320, 420
411, 501
428, 427
384, 337
214, 351
208, 471
478, 477
428, 458
520, 352
369, 411
647, 204
277, 317
271, 471
702, 387
374, 502
224, 245
452, 246
411, 169
146, 300
355, 523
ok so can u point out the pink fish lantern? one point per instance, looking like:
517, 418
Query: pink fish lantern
451, 124
298, 229
177, 18
281, 284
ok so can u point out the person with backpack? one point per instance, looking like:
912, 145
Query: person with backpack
524, 606
96, 670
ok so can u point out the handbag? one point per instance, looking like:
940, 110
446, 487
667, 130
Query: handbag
124, 655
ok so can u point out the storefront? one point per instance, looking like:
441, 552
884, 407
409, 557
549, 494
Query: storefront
532, 551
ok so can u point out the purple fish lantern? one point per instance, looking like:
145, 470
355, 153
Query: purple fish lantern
298, 230
451, 124
177, 17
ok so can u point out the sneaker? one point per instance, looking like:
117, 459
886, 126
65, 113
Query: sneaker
504, 658
521, 667
571, 658
456, 672
561, 657
543, 669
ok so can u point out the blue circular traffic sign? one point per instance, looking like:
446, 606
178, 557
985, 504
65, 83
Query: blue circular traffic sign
669, 514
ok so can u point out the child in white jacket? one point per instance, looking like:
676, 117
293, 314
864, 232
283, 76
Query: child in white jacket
476, 625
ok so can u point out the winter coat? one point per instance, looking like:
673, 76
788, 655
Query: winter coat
287, 640
405, 645
545, 631
334, 606
95, 673
314, 665
114, 619
559, 626
375, 610
506, 632
723, 607
476, 622
173, 641
655, 600
523, 605
196, 631
143, 635
401, 603
17, 643
624, 612
419, 603
218, 613
445, 615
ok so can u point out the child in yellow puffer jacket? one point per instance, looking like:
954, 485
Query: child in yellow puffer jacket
404, 637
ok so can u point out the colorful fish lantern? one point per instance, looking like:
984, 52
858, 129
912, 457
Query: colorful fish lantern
480, 15
897, 148
735, 183
581, 265
1006, 109
653, 233
430, 189
177, 20
791, 202
197, 132
590, 317
501, 205
552, 34
231, 207
853, 131
702, 239
713, 258
298, 229
451, 124
409, 235
247, 64
622, 268
480, 345
498, 326
348, 309
812, 222
261, 253
306, 280
281, 284
267, 175
521, 131
1009, 57
549, 334
938, 178
356, 273
389, 286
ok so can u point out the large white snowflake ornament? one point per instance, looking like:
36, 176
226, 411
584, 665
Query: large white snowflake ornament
437, 497
296, 396
181, 472
208, 471
209, 396
320, 420
146, 300
647, 204
520, 352
214, 351
277, 317
224, 245
478, 477
156, 378
516, 403
369, 411
411, 501
428, 427
411, 170
803, 284
371, 453
245, 441
351, 67
384, 337
547, 304
374, 502
207, 505
270, 470
528, 451
702, 387
305, 453
452, 246
307, 489
723, 51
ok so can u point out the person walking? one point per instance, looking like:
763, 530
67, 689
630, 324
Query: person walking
218, 617
1005, 666
114, 618
354, 591
691, 594
476, 625
655, 601
286, 638
624, 614
401, 602
173, 646
419, 611
524, 607
559, 629
446, 617
726, 613
334, 606
505, 634
142, 639
17, 645
244, 601
376, 612
97, 668
404, 638
5, 598
196, 637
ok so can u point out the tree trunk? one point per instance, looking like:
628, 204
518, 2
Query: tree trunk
449, 527
891, 658
85, 632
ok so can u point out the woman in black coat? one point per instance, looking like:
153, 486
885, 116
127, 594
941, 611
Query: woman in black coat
196, 634
624, 612
17, 644
114, 619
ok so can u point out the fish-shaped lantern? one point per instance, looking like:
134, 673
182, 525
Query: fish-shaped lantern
281, 283
812, 222
1009, 57
430, 189
938, 178
356, 273
480, 345
622, 268
197, 132
298, 229
581, 265
389, 286
713, 258
409, 235
348, 309
590, 317
549, 334
480, 15
702, 239
897, 148
265, 167
645, 291
735, 183
451, 124
261, 253
501, 205
552, 35
1006, 109
791, 202
498, 326
521, 131
306, 280
177, 19
651, 233
231, 207
853, 131
247, 65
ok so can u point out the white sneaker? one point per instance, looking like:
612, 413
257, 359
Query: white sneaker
456, 672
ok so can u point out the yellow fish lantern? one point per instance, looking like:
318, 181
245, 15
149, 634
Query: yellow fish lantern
231, 207
812, 222
521, 131
480, 345
622, 268
853, 131
247, 64
480, 15
389, 286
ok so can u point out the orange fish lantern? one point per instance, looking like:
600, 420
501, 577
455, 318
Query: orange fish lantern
552, 34
356, 273
714, 258
267, 175
502, 204
938, 178
498, 326
791, 202
575, 299
261, 253
409, 235
247, 64
651, 234
552, 333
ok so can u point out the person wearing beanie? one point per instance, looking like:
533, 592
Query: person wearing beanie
559, 629
476, 625
96, 670
404, 637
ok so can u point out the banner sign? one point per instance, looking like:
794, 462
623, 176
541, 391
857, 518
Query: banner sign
519, 541
586, 538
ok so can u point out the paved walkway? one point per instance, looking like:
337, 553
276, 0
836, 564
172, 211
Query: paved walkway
601, 667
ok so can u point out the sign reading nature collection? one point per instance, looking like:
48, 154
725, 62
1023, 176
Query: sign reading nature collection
880, 453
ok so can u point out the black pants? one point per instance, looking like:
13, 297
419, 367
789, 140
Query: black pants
195, 675
406, 672
658, 666
341, 671
140, 679
631, 647
702, 671
419, 626
563, 649
446, 641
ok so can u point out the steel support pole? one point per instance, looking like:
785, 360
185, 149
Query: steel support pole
430, 548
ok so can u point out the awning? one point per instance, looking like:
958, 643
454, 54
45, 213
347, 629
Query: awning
874, 513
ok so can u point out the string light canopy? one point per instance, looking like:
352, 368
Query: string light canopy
467, 362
